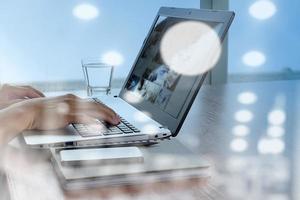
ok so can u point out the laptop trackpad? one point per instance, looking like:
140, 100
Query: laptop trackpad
91, 156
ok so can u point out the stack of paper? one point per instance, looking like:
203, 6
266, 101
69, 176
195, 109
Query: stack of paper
166, 161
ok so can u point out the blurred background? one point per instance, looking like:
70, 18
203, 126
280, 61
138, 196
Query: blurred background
42, 44
44, 41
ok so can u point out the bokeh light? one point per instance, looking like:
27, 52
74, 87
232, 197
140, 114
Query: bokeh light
63, 108
192, 141
86, 11
254, 58
276, 131
239, 145
247, 98
262, 9
149, 128
270, 146
243, 116
276, 117
113, 58
130, 97
240, 130
142, 116
191, 48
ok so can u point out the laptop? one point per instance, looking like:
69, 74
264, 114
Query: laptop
155, 98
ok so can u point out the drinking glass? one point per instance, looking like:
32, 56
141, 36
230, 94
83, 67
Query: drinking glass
97, 76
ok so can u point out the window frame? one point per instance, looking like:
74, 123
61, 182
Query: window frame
219, 74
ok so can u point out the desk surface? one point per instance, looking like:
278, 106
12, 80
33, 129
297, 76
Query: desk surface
259, 163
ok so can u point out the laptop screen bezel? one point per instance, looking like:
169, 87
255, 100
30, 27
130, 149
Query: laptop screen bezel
174, 124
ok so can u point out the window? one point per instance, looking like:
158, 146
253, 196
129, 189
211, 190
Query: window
267, 45
44, 41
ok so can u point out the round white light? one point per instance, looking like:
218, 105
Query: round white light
278, 146
271, 146
239, 145
247, 98
240, 130
243, 116
262, 9
131, 97
113, 58
254, 59
149, 128
86, 12
276, 117
191, 48
63, 108
192, 141
275, 131
142, 116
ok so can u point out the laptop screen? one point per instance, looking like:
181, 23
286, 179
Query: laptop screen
160, 89
153, 80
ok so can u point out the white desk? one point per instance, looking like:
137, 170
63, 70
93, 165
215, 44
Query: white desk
241, 171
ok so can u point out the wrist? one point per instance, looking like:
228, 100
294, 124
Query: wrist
24, 119
25, 112
13, 121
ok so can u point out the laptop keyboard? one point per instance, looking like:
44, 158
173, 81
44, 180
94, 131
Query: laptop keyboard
105, 129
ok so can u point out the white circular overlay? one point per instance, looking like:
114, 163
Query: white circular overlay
270, 146
113, 58
239, 145
149, 128
86, 11
247, 98
142, 116
243, 116
254, 59
191, 48
262, 9
277, 117
132, 97
241, 130
276, 131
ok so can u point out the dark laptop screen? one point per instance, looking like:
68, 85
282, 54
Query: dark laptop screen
153, 80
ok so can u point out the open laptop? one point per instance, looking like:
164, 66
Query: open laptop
154, 100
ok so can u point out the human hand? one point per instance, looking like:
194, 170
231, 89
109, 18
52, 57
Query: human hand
12, 94
58, 112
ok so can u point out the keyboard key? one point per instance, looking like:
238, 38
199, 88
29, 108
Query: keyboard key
127, 132
114, 129
96, 127
89, 133
104, 128
122, 127
113, 133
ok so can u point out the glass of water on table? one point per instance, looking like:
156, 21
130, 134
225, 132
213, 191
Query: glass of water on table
98, 76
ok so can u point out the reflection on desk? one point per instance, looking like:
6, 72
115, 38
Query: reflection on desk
249, 132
